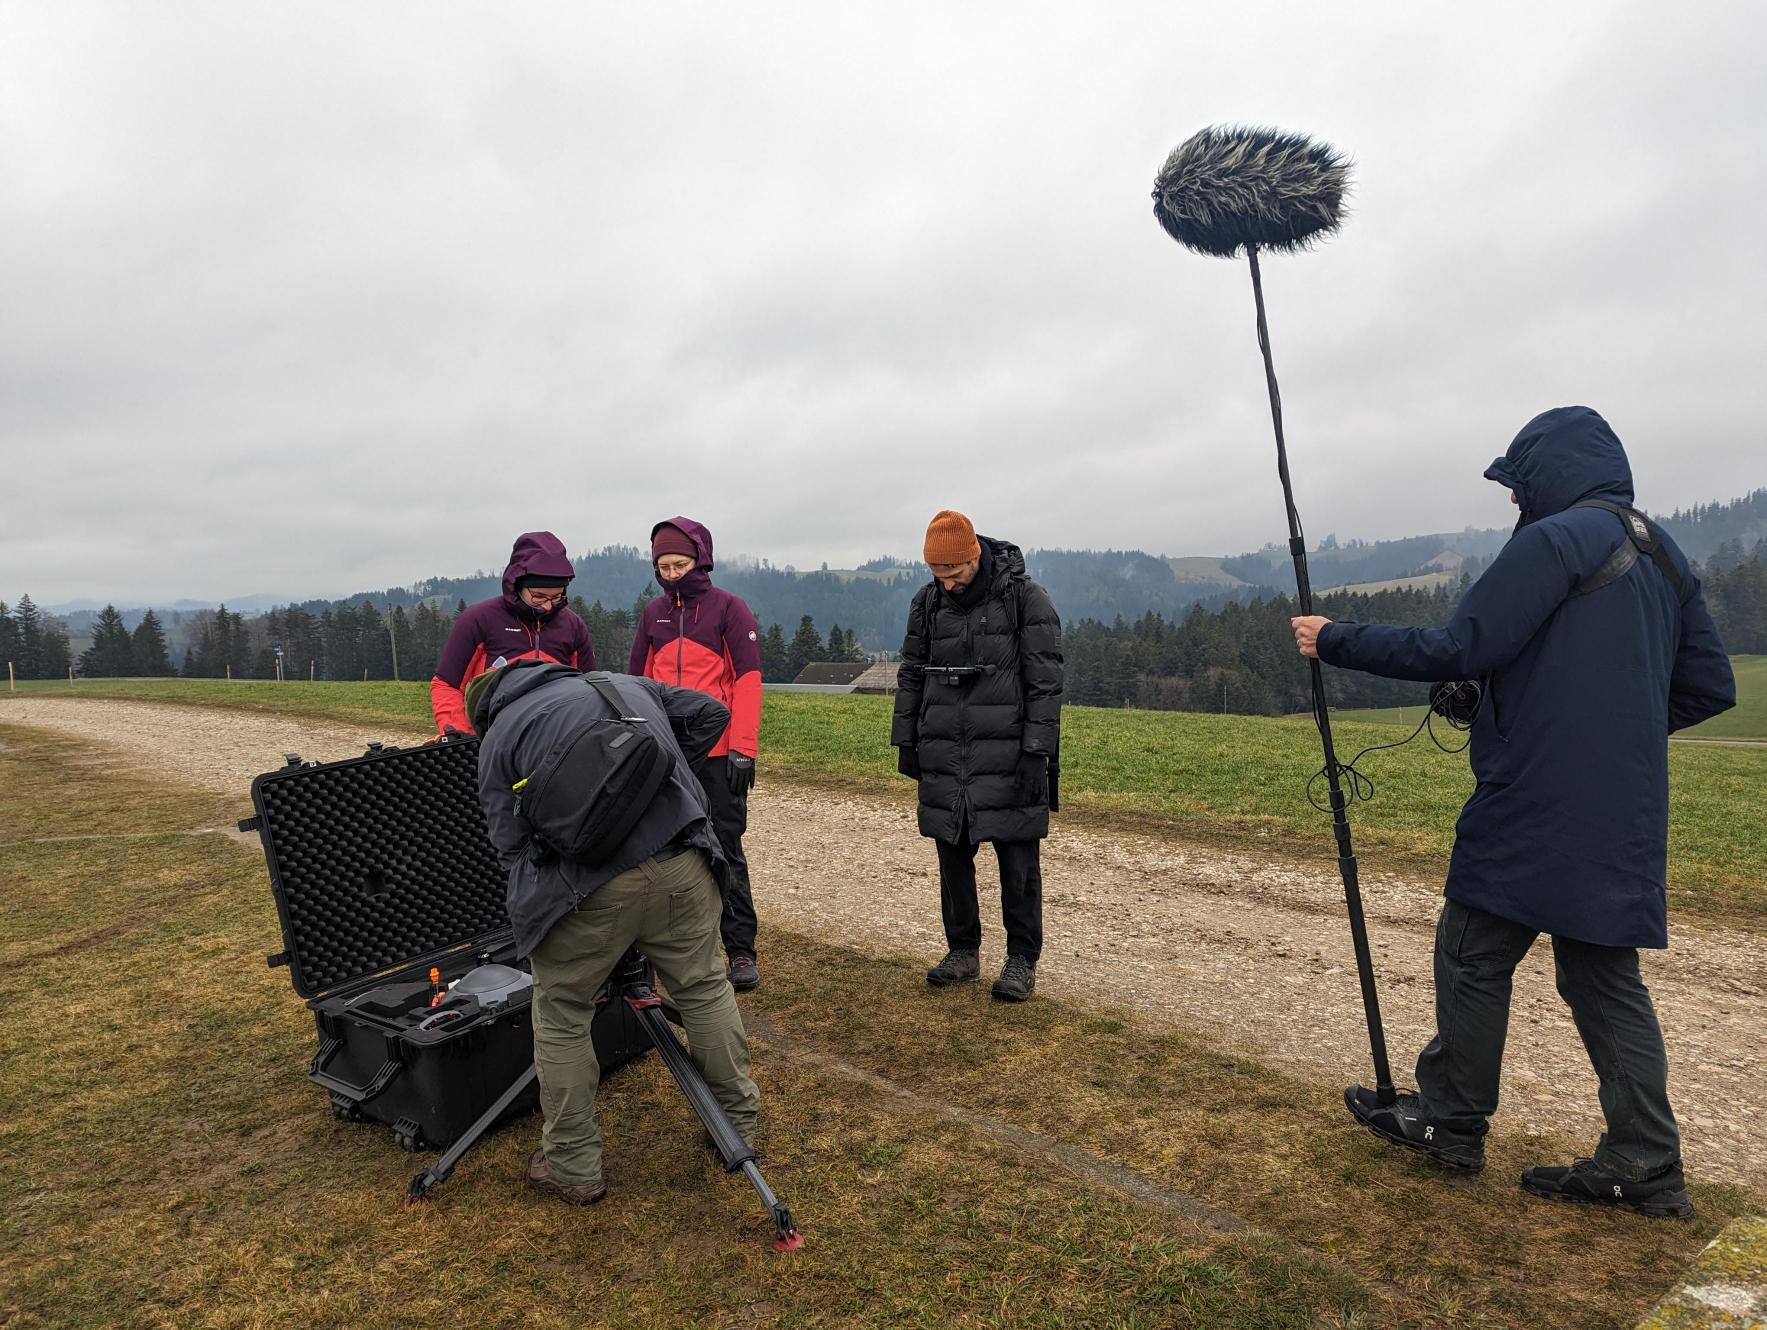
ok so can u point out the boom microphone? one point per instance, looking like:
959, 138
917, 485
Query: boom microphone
1227, 189
1238, 187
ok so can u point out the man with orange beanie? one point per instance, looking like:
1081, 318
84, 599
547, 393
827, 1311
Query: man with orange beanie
978, 725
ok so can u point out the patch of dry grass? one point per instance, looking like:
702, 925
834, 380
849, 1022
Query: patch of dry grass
167, 1164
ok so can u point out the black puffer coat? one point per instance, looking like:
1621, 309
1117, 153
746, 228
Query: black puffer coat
982, 742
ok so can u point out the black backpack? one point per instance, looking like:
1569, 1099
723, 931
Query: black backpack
593, 787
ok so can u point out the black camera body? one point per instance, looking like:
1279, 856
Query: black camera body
958, 675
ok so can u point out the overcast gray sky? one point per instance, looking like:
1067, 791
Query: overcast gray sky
315, 298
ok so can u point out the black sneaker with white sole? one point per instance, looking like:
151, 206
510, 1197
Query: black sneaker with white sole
1402, 1123
1662, 1196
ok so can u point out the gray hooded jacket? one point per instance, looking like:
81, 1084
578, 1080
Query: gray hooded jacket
534, 705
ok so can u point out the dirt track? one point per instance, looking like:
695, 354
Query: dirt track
1251, 950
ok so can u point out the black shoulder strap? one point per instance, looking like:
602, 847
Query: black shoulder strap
1642, 537
604, 685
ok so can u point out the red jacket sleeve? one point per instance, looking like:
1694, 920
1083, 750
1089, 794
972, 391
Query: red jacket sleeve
742, 643
449, 705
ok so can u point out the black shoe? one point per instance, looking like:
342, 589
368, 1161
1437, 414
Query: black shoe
1017, 979
959, 966
1662, 1197
743, 974
1402, 1123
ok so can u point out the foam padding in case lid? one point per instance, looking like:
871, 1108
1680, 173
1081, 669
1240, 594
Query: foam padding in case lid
378, 862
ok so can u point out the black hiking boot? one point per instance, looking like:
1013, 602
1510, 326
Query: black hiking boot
958, 967
1661, 1197
744, 976
1402, 1123
1017, 980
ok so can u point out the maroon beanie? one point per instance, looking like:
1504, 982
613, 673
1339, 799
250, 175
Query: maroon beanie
671, 540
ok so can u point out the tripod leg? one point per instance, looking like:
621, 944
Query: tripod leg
439, 1171
735, 1152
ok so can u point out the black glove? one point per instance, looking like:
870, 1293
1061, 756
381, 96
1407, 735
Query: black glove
741, 771
908, 762
1033, 777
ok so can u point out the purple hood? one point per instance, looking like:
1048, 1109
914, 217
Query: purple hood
535, 552
696, 583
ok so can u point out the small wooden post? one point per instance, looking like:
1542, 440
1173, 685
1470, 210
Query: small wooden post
230, 674
70, 676
311, 665
11, 683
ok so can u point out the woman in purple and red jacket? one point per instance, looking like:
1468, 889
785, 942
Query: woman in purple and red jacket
528, 621
697, 636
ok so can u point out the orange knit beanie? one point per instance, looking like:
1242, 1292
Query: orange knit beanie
950, 538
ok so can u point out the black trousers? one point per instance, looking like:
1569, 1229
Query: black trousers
1021, 895
1458, 1073
730, 819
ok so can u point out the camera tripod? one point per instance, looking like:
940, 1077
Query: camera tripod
630, 983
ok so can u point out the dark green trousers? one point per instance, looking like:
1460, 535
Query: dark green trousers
669, 910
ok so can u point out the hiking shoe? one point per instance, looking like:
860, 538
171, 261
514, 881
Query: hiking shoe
1662, 1197
539, 1175
743, 974
959, 966
1016, 980
1402, 1123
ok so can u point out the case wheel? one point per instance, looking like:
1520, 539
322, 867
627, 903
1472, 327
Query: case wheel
409, 1135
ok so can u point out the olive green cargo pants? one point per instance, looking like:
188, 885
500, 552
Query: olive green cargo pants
669, 909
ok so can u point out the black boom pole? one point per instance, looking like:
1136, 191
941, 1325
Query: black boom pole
1340, 818
1220, 191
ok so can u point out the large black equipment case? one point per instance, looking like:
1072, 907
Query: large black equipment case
381, 870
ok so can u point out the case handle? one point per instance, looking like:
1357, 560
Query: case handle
361, 1094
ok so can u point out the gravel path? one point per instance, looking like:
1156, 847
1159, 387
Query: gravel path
1249, 949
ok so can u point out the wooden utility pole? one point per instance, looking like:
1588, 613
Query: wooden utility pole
393, 637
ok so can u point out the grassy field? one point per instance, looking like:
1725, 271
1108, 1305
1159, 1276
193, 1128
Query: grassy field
1232, 779
953, 1162
1746, 720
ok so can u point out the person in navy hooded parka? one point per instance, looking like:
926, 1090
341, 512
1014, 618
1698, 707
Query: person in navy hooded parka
1566, 831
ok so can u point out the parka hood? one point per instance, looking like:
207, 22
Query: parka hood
535, 552
699, 581
1562, 457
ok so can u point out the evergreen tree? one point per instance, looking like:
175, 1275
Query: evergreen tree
8, 638
109, 656
805, 647
773, 656
29, 626
375, 646
147, 648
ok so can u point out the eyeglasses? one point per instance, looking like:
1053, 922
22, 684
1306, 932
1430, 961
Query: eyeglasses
674, 567
537, 597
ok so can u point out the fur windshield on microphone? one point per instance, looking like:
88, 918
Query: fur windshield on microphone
1232, 186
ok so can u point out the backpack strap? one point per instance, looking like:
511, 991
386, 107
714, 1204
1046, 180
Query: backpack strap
604, 684
1642, 537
